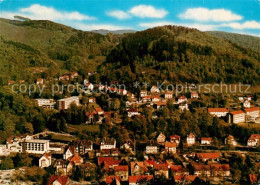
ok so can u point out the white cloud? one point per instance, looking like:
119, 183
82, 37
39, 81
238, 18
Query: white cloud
39, 12
89, 27
2, 1
204, 14
119, 14
147, 11
202, 27
246, 25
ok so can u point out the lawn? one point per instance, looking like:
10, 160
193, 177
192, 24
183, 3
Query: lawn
250, 125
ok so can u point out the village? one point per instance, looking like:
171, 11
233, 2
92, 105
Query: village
180, 159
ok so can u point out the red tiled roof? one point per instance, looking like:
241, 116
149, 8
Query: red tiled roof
163, 167
108, 160
208, 155
237, 112
189, 178
254, 136
169, 145
161, 103
253, 178
191, 135
217, 110
175, 137
110, 179
201, 167
121, 168
206, 138
135, 179
252, 109
76, 159
182, 97
132, 110
63, 179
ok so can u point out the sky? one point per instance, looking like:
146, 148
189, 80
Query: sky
238, 16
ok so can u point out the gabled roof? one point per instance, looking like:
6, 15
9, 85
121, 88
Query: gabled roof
206, 139
237, 112
191, 135
107, 160
217, 110
63, 179
252, 109
254, 136
175, 137
75, 159
189, 178
47, 155
201, 167
110, 179
253, 178
141, 164
163, 167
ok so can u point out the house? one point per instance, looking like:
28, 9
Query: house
35, 146
99, 111
175, 139
65, 103
39, 81
13, 143
139, 168
45, 160
183, 106
219, 112
58, 180
127, 146
154, 89
76, 159
89, 86
147, 98
179, 170
206, 141
136, 180
160, 105
151, 147
64, 78
230, 140
182, 99
237, 116
208, 156
170, 147
246, 104
194, 95
202, 170
161, 170
10, 82
191, 139
121, 172
253, 178
184, 179
107, 162
253, 140
69, 151
45, 103
82, 146
220, 170
161, 138
143, 93
155, 98
92, 100
168, 95
133, 112
107, 143
252, 113
74, 74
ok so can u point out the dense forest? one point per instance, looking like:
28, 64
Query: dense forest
178, 54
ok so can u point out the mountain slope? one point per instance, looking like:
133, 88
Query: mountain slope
178, 54
104, 32
247, 41
44, 43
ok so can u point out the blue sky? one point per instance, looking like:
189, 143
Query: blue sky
240, 16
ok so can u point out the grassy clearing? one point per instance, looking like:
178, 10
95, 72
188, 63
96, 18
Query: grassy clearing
86, 128
250, 125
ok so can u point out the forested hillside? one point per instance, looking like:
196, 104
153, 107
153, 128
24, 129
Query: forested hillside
179, 54
25, 45
247, 41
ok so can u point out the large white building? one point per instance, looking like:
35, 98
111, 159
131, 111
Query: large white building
252, 113
35, 146
65, 103
45, 103
107, 143
219, 112
237, 116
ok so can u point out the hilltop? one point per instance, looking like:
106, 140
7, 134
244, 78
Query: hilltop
179, 54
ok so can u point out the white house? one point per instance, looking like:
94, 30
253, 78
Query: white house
253, 140
69, 152
230, 140
252, 113
154, 89
45, 103
191, 139
151, 147
168, 95
237, 116
182, 99
219, 112
45, 160
194, 95
170, 147
206, 141
108, 143
143, 93
133, 112
246, 104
